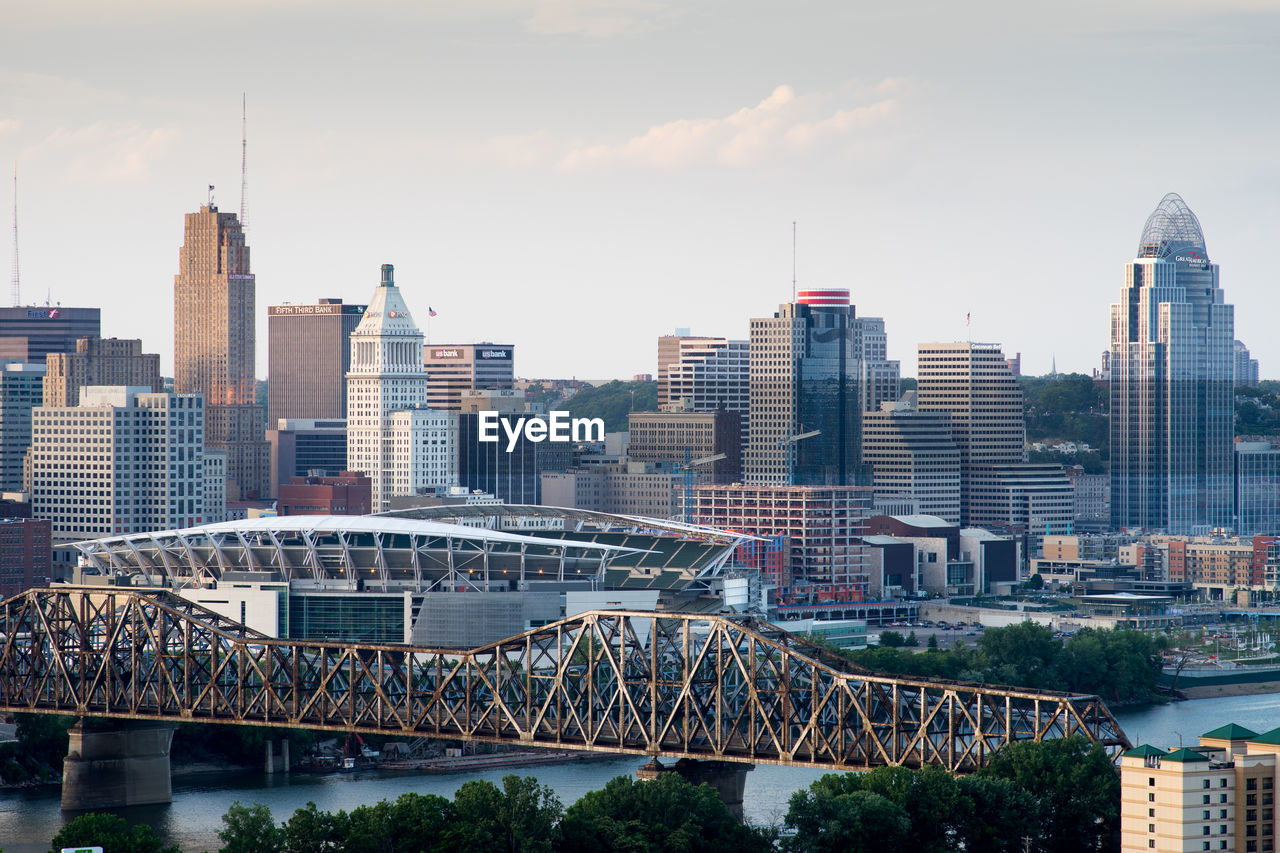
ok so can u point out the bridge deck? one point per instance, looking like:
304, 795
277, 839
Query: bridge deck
668, 684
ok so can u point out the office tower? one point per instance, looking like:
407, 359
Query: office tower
1172, 337
302, 447
214, 334
425, 451
515, 477
705, 375
98, 361
21, 390
125, 460
215, 486
454, 369
29, 333
1257, 488
1244, 368
679, 437
309, 353
912, 452
386, 376
974, 385
880, 381
806, 418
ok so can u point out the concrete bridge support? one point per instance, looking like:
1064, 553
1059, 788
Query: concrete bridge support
120, 763
728, 778
274, 762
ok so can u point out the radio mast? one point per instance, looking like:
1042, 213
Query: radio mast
244, 166
16, 293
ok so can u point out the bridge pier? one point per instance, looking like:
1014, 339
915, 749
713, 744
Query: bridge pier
274, 763
121, 763
728, 778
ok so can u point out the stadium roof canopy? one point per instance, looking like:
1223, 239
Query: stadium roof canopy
396, 552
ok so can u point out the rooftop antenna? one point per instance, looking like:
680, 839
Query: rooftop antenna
16, 284
793, 260
244, 165
211, 195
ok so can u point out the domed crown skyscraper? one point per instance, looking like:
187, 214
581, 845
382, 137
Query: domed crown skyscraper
1172, 337
386, 376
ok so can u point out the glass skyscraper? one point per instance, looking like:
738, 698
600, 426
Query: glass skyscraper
1172, 337
805, 363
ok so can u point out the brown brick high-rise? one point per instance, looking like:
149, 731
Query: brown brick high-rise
214, 338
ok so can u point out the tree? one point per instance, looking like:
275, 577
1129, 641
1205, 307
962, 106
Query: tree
1035, 581
1076, 788
912, 640
1023, 654
994, 815
519, 817
250, 829
313, 831
933, 642
835, 819
110, 832
666, 814
892, 639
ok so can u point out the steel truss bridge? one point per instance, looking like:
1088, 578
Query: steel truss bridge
670, 684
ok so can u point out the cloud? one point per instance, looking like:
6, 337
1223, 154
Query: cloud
107, 152
782, 125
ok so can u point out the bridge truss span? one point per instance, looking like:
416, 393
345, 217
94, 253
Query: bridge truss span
671, 684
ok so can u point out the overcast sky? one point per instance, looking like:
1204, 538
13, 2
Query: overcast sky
578, 177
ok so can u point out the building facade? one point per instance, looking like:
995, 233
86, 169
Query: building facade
806, 418
214, 338
974, 385
99, 361
25, 555
303, 446
677, 438
123, 461
386, 376
309, 354
455, 369
1257, 488
823, 558
21, 391
424, 451
1244, 368
28, 333
1172, 362
881, 378
1217, 795
912, 452
346, 494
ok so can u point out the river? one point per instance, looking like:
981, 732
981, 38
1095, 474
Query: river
29, 819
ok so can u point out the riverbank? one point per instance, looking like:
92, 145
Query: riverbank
1215, 691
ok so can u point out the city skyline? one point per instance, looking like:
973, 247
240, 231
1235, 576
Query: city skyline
995, 148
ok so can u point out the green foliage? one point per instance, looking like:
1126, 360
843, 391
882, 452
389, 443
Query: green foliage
519, 817
1070, 406
831, 820
612, 401
414, 822
1035, 582
250, 829
39, 749
666, 814
110, 832
892, 639
932, 645
1258, 409
912, 640
313, 831
993, 815
1120, 666
243, 745
1076, 788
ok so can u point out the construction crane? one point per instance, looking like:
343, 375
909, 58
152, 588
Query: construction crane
687, 469
791, 455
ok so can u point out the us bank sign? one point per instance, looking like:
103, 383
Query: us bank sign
557, 426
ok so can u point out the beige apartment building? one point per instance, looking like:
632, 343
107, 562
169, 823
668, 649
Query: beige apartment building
1219, 795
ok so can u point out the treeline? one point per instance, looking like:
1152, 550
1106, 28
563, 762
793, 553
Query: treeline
521, 816
612, 401
1058, 796
1120, 666
1069, 406
1258, 409
1051, 797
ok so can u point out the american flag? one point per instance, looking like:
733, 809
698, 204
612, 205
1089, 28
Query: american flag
431, 312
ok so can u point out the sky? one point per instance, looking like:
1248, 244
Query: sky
578, 177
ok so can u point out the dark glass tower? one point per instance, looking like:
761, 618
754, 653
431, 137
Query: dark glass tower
805, 410
1172, 337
